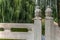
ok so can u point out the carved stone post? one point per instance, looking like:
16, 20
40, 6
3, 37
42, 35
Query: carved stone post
37, 24
49, 25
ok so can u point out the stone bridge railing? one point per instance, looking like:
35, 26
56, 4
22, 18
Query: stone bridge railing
52, 31
34, 30
7, 34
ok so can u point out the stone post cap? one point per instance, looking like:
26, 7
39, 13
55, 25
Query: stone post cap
48, 11
37, 11
37, 7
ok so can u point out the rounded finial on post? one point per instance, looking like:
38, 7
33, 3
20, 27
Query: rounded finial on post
37, 11
48, 11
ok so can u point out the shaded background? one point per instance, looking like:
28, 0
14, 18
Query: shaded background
22, 11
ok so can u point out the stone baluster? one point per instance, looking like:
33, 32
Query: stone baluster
37, 24
49, 24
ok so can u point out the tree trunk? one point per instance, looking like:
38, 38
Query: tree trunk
58, 6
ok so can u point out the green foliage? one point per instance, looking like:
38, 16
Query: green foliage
43, 26
1, 29
16, 11
19, 29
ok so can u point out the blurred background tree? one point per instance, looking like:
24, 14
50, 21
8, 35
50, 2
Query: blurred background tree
58, 7
16, 11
